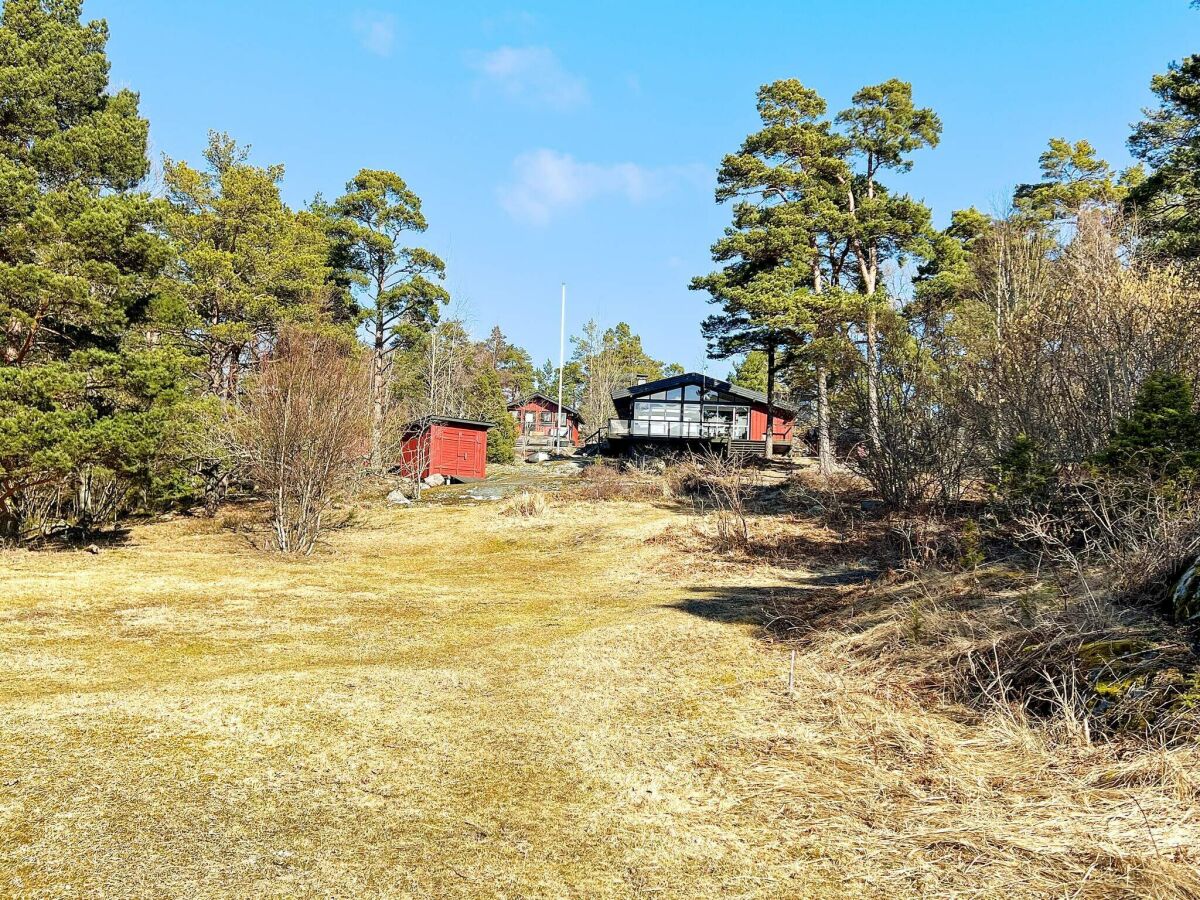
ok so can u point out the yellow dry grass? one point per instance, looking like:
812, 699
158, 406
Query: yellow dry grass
454, 702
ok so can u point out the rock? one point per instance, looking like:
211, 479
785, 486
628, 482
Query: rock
1185, 600
435, 480
872, 506
540, 457
92, 548
399, 498
486, 493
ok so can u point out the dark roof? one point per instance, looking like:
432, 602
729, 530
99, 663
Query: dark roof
445, 420
568, 410
705, 382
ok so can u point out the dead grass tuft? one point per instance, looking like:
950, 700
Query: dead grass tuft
527, 505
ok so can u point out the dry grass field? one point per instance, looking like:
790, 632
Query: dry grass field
448, 701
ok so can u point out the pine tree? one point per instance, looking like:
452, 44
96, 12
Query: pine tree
883, 128
750, 371
787, 250
245, 262
397, 284
1167, 142
84, 385
512, 365
1161, 434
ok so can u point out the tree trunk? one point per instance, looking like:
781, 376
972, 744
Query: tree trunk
231, 386
378, 389
769, 443
824, 445
872, 379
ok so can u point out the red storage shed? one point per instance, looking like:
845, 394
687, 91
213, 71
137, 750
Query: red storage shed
442, 445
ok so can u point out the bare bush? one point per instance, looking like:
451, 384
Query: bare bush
926, 451
719, 487
301, 433
611, 481
1140, 531
1054, 345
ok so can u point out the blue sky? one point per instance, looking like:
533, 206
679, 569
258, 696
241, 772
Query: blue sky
579, 142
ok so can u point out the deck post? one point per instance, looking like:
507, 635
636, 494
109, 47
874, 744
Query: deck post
769, 449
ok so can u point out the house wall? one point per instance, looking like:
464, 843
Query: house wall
781, 426
537, 406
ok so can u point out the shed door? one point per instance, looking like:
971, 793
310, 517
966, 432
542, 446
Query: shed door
460, 453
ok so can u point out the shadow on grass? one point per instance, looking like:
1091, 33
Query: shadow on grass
810, 603
71, 540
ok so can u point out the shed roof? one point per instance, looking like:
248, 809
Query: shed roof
567, 409
446, 420
707, 383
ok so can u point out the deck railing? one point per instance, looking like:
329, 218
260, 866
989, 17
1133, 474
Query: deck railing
718, 431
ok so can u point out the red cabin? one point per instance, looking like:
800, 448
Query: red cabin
441, 445
537, 420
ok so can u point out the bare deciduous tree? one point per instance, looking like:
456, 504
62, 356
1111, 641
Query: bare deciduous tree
300, 435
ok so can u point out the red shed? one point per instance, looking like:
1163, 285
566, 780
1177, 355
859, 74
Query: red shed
441, 445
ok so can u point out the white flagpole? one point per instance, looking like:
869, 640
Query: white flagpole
562, 340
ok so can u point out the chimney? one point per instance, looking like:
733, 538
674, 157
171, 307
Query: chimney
639, 379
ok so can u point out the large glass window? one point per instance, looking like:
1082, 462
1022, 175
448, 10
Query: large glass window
655, 411
727, 420
691, 392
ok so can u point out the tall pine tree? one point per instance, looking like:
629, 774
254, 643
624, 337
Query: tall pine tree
82, 382
398, 285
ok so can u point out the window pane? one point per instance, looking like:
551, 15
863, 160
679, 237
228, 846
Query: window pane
675, 394
691, 392
691, 412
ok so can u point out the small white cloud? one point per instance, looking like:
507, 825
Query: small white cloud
531, 75
546, 182
376, 32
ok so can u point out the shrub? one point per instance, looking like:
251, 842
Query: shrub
1161, 434
1141, 532
719, 486
301, 433
610, 481
1023, 475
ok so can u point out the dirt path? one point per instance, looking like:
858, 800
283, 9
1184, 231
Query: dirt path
449, 702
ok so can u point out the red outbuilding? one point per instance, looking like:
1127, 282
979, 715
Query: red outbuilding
441, 445
537, 421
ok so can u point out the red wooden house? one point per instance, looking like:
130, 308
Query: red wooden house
442, 445
537, 420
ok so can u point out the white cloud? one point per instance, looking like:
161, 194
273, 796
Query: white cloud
376, 32
546, 182
531, 75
